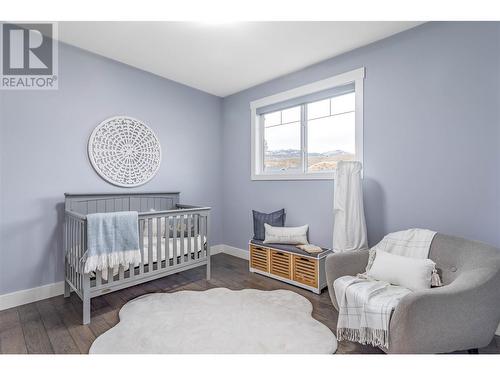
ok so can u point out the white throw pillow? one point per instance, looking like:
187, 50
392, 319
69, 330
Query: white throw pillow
411, 273
286, 235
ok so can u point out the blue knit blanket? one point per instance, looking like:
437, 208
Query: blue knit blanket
112, 240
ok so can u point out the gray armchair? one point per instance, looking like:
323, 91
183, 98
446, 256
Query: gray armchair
461, 315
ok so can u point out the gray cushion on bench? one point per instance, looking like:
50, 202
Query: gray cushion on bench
289, 248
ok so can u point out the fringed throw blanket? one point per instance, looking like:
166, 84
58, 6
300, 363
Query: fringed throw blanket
412, 243
366, 305
112, 240
365, 308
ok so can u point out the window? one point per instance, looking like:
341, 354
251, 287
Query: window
303, 133
282, 140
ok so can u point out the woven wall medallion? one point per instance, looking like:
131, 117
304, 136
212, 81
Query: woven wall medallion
124, 151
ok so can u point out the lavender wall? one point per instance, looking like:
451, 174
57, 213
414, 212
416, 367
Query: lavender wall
43, 154
432, 146
431, 138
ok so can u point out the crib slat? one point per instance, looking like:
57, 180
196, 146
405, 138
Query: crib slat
73, 245
101, 205
131, 266
159, 235
98, 279
68, 242
111, 277
167, 241
143, 202
84, 249
174, 240
156, 204
70, 249
131, 270
183, 224
80, 245
189, 237
92, 206
65, 245
109, 205
77, 254
196, 234
121, 272
150, 244
202, 235
141, 245
79, 250
75, 250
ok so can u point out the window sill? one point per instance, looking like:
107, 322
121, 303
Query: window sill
291, 177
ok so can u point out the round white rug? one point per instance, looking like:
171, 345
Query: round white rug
217, 321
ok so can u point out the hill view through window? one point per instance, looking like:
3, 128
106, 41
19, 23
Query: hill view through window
311, 137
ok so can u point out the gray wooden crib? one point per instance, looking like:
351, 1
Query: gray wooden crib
172, 237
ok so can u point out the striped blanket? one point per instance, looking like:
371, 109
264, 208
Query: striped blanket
365, 308
413, 243
366, 305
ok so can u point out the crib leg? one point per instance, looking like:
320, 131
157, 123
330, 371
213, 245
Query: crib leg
86, 310
67, 289
208, 269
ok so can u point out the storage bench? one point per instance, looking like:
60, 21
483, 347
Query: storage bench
289, 264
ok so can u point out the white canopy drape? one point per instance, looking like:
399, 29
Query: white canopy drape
349, 228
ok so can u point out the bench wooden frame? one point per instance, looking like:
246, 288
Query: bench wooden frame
305, 271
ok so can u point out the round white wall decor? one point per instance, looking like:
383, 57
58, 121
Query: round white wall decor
124, 151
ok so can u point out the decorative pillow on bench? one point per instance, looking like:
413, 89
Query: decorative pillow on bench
276, 219
286, 235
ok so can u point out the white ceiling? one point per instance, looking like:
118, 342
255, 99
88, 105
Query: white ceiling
224, 58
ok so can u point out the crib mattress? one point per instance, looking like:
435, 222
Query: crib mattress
194, 243
195, 247
191, 244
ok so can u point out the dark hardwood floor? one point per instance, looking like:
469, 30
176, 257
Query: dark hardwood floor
54, 325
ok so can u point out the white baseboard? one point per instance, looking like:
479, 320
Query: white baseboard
23, 297
230, 250
216, 249
236, 252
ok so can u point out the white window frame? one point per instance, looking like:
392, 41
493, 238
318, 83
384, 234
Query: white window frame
257, 127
